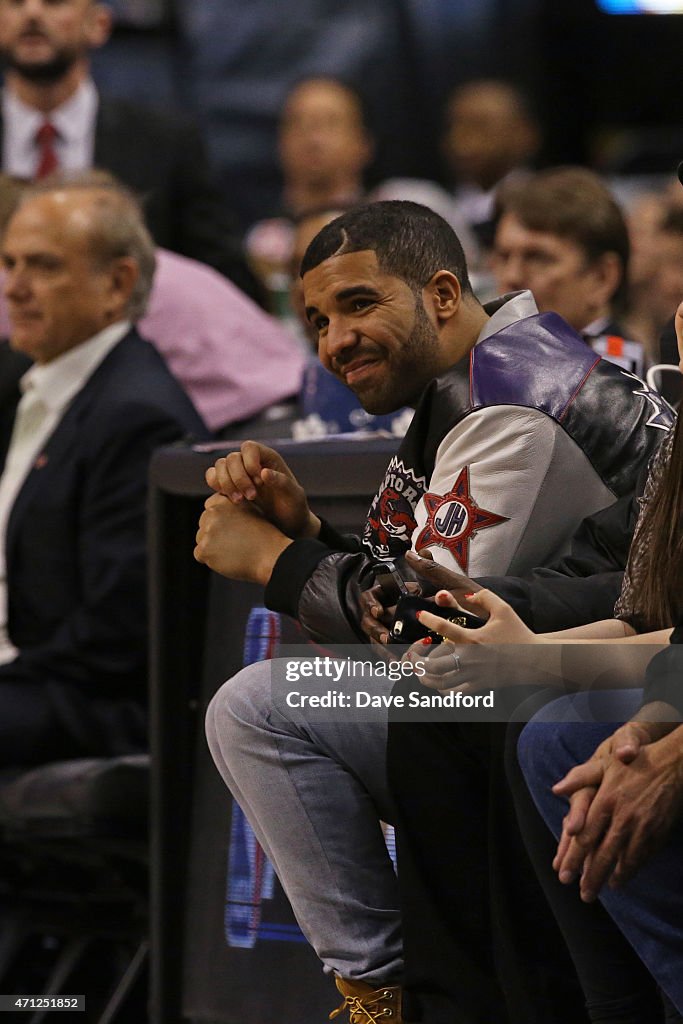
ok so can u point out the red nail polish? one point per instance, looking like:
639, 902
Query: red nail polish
468, 596
426, 641
417, 615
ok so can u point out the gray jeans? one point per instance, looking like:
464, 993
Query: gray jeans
314, 794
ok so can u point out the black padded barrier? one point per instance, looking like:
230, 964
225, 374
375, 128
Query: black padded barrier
198, 624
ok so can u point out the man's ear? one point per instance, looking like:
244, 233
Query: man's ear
98, 25
608, 272
124, 276
442, 294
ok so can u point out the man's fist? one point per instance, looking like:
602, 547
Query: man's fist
258, 474
236, 541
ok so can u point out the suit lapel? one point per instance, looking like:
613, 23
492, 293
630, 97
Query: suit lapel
114, 147
64, 440
56, 453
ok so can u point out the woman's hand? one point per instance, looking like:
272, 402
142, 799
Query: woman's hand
477, 659
503, 625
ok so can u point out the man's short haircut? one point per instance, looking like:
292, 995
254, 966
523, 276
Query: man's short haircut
117, 229
573, 203
410, 241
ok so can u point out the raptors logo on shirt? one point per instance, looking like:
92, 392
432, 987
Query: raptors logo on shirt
391, 519
453, 519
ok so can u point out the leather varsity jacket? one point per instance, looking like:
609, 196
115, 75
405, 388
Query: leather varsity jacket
508, 451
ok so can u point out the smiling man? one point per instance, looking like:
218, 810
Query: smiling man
510, 446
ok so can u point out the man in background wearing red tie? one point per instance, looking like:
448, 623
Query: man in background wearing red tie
52, 117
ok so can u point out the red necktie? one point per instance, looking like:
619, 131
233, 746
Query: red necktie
47, 155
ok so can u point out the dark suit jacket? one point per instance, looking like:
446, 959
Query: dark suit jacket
162, 158
76, 542
12, 366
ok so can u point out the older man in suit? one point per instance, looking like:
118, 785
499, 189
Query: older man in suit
98, 399
52, 116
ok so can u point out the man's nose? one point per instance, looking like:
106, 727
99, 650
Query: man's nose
509, 273
339, 338
14, 284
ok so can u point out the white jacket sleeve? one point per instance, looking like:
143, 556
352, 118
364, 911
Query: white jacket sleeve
509, 488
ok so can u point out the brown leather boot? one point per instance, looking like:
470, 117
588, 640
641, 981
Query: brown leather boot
368, 1005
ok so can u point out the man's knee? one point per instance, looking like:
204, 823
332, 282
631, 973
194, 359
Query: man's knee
241, 704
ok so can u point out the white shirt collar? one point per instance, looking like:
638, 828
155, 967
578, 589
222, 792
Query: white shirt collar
595, 328
507, 310
74, 121
58, 381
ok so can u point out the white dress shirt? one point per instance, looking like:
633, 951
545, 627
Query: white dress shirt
73, 120
47, 390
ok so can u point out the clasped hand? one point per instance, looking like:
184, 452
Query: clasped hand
258, 475
258, 507
623, 802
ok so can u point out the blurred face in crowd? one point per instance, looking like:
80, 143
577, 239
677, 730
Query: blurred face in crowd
58, 294
374, 334
486, 134
42, 39
643, 219
555, 269
322, 136
304, 233
667, 286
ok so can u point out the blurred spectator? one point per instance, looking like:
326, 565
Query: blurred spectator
325, 147
561, 234
490, 135
97, 401
667, 279
52, 117
643, 217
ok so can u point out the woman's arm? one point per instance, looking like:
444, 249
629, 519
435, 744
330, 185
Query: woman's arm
609, 631
600, 654
606, 629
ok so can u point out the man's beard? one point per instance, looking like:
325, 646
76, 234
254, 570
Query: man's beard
42, 73
417, 364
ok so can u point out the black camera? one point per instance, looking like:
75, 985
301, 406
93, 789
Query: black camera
406, 628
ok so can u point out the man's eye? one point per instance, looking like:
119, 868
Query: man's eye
540, 259
359, 304
320, 323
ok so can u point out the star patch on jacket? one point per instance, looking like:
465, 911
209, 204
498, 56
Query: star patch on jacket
453, 519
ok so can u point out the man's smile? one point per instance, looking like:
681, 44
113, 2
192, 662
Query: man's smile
357, 369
